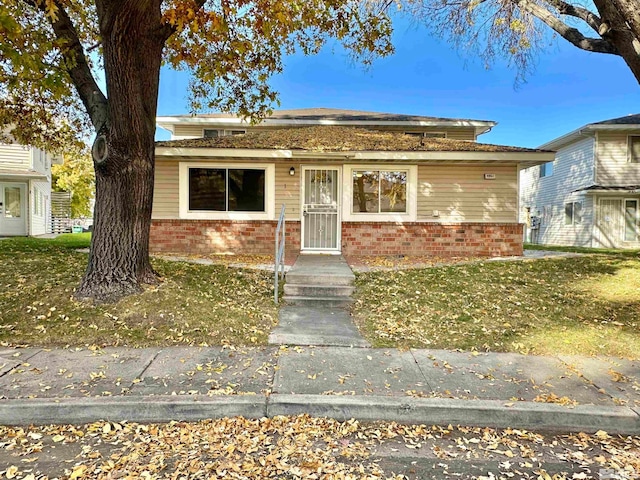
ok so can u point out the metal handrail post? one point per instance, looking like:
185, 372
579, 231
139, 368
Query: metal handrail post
279, 252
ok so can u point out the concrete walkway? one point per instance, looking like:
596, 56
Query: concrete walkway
419, 386
317, 295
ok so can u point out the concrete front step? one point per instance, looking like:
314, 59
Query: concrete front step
311, 302
318, 290
305, 278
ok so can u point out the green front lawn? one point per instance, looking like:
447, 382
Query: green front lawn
604, 251
583, 305
195, 304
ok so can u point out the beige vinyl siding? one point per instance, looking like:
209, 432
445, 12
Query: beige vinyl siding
461, 194
458, 192
288, 190
14, 157
182, 132
613, 167
165, 193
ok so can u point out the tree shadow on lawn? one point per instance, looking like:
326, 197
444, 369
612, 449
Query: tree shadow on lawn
194, 305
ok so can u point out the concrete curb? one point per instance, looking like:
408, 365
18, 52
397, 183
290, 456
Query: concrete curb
439, 411
136, 409
444, 411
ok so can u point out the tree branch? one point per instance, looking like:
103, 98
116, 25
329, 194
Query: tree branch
166, 30
587, 16
76, 64
570, 34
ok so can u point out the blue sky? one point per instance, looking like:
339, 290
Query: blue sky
426, 76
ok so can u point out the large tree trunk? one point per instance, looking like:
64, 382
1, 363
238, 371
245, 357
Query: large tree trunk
119, 255
620, 26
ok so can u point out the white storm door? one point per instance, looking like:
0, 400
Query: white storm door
610, 222
320, 210
13, 208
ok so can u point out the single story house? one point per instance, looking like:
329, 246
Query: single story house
357, 183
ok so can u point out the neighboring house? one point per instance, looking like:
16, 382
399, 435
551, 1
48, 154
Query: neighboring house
589, 195
358, 183
25, 190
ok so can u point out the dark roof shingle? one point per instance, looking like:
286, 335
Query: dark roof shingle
339, 139
342, 115
627, 120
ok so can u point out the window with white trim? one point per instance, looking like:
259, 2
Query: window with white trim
573, 213
379, 191
634, 148
227, 189
427, 134
215, 133
238, 191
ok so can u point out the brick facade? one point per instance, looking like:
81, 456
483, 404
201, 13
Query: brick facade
464, 239
255, 237
358, 238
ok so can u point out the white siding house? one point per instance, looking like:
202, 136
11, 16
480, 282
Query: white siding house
25, 190
589, 196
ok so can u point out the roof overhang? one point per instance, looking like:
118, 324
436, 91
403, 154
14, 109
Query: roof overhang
609, 191
587, 131
526, 159
168, 123
21, 175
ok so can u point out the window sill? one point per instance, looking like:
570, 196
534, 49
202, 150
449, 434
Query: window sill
224, 216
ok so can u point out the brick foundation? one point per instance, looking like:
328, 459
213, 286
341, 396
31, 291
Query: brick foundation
358, 238
465, 239
255, 237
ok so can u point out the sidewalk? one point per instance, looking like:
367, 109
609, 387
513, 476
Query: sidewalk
419, 386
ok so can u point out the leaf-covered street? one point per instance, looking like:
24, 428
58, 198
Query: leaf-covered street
304, 447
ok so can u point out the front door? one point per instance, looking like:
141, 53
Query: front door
13, 208
320, 210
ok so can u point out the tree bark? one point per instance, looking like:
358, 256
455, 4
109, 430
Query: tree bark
621, 20
119, 256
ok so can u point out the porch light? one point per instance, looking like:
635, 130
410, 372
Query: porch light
292, 171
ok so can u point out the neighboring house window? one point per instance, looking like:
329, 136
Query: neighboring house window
634, 149
572, 213
37, 203
631, 220
427, 134
214, 133
379, 191
546, 169
226, 191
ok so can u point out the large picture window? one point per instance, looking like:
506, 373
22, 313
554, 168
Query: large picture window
379, 191
227, 189
218, 191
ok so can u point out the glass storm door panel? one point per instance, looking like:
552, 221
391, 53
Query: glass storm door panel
610, 222
631, 220
13, 209
320, 212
